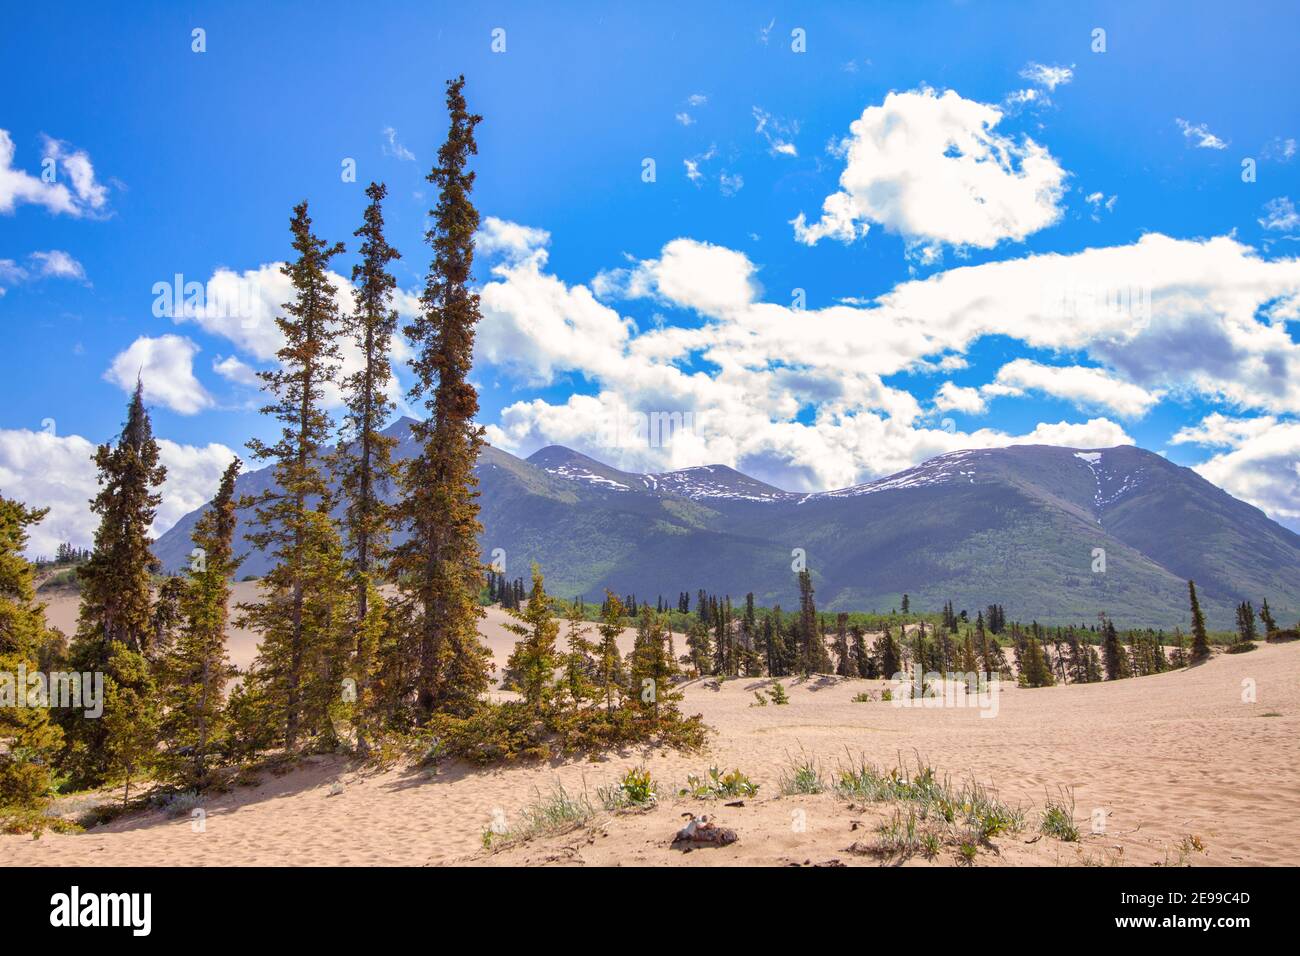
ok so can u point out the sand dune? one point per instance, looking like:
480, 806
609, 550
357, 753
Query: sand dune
1165, 757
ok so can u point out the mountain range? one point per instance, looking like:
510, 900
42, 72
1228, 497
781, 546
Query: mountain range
1030, 527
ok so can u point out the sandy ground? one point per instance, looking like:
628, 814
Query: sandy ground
1164, 757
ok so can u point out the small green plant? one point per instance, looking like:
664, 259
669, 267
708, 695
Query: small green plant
778, 694
886, 694
717, 784
759, 699
863, 698
1058, 818
635, 791
968, 850
802, 777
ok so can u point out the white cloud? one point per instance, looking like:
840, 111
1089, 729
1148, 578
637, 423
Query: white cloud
233, 370
1199, 135
1048, 77
1280, 213
697, 99
693, 275
1086, 387
799, 397
730, 183
242, 308
685, 118
58, 264
933, 169
510, 239
86, 197
44, 470
957, 398
166, 367
395, 149
1262, 465
55, 264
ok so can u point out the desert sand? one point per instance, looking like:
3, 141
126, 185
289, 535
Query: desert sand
1164, 757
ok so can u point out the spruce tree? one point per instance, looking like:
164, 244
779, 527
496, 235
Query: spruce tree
1266, 618
609, 661
438, 567
579, 668
116, 606
532, 664
131, 716
1245, 624
1117, 664
1200, 639
196, 669
844, 666
364, 461
1035, 672
29, 740
290, 520
651, 666
887, 653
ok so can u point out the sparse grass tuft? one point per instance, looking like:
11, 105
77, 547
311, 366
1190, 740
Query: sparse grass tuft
802, 777
558, 812
863, 697
1058, 817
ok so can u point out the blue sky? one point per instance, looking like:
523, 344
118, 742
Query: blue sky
195, 160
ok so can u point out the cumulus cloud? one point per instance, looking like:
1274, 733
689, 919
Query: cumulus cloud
510, 239
1261, 464
242, 308
800, 397
54, 264
166, 367
934, 169
45, 470
1087, 387
233, 370
58, 264
957, 398
62, 166
1199, 135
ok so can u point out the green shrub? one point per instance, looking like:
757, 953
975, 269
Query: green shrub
717, 784
1058, 818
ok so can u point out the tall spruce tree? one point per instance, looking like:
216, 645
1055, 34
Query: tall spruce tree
29, 739
1200, 639
438, 567
290, 519
196, 668
364, 461
116, 603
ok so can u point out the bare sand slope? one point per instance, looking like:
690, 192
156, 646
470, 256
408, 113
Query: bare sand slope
1166, 757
